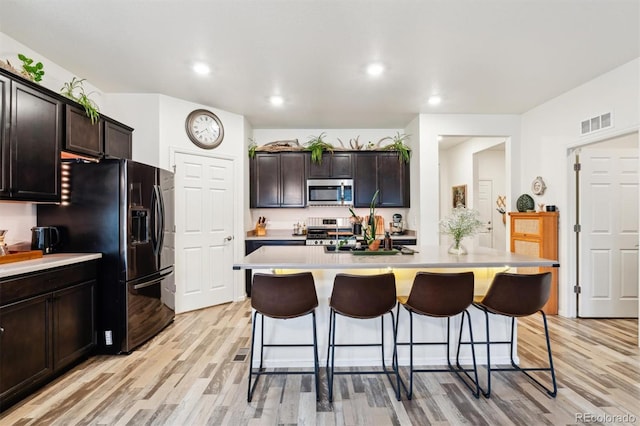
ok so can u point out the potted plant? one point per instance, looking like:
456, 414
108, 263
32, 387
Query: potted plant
461, 223
370, 230
74, 89
398, 145
317, 146
33, 72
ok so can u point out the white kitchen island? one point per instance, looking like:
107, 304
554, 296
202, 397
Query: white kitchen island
485, 263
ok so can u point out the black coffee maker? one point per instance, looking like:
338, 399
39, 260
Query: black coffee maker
45, 238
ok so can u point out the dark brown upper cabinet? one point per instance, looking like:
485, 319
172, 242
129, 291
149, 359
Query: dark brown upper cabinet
31, 142
83, 136
336, 165
277, 180
105, 138
383, 171
117, 140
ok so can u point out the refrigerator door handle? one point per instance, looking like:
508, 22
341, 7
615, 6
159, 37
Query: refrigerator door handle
162, 218
158, 212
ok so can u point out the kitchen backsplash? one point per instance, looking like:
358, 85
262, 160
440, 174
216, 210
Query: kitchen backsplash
18, 219
286, 218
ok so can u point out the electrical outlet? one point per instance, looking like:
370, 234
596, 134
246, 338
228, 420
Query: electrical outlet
108, 339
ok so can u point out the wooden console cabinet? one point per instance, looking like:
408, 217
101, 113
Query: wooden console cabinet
536, 234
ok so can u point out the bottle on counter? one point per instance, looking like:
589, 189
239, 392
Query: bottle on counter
388, 244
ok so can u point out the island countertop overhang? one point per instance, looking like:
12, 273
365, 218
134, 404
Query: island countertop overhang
292, 257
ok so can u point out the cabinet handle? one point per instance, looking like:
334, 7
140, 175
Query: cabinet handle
1, 330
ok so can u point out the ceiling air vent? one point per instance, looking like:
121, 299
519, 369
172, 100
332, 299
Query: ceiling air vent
596, 123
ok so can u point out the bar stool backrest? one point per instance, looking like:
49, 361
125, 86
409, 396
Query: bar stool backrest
441, 295
363, 296
518, 295
284, 296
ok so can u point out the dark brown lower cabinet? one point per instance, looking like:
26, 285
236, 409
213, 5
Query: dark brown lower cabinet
42, 335
25, 346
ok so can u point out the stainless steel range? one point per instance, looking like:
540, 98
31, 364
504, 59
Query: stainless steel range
322, 231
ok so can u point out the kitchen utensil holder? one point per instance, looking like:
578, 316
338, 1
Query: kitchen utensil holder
261, 230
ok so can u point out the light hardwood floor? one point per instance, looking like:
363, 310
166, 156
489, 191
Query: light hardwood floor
194, 373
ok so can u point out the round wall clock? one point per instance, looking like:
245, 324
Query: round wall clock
537, 186
204, 128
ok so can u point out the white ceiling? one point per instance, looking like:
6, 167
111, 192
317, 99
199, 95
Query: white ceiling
481, 56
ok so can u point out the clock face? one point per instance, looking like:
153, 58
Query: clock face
204, 129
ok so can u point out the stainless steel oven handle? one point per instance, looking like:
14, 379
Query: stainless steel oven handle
147, 284
341, 191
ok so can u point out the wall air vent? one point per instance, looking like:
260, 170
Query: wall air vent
596, 123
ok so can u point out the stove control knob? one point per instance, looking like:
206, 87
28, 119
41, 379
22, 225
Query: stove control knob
330, 243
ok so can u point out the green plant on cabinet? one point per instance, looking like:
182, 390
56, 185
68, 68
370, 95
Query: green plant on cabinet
317, 146
74, 90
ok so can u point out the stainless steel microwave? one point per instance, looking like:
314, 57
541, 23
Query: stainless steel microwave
330, 192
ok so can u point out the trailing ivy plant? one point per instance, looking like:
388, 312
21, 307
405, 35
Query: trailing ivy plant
398, 145
76, 86
32, 71
317, 146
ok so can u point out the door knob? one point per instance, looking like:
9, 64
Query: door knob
229, 238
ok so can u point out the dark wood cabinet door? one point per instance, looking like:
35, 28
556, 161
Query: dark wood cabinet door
333, 166
117, 141
342, 165
82, 136
25, 346
5, 168
318, 170
73, 323
392, 180
265, 180
35, 139
292, 180
366, 178
383, 171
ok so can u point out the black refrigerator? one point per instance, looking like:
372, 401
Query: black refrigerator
124, 210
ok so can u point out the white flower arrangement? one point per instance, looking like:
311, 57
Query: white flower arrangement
462, 222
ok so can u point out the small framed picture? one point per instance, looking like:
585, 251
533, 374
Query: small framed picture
459, 193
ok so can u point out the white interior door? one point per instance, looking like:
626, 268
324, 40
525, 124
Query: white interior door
485, 207
204, 231
609, 236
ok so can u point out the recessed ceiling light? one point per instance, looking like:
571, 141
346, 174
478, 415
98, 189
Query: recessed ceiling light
201, 68
375, 69
276, 100
434, 100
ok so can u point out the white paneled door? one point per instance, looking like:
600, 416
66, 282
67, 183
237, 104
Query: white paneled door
609, 237
485, 207
204, 234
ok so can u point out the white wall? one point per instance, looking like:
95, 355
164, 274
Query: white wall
434, 125
458, 166
548, 133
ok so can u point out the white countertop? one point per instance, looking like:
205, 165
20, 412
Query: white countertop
47, 261
276, 234
291, 257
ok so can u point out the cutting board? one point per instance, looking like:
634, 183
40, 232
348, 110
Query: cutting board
18, 256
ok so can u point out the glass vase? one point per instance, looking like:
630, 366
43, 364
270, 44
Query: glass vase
457, 248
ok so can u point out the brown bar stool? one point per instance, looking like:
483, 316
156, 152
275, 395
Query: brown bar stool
282, 297
362, 297
517, 295
442, 296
